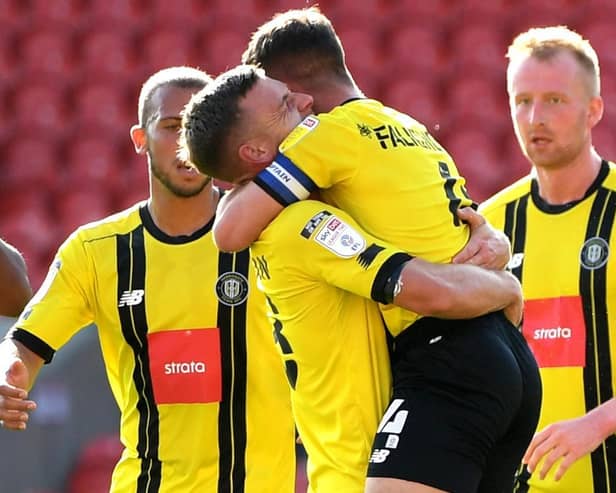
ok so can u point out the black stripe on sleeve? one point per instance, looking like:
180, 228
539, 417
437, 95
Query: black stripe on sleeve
33, 343
378, 292
131, 269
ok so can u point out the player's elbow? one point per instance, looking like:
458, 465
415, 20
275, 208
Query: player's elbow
227, 237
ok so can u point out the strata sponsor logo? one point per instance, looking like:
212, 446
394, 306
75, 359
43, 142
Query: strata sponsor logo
185, 366
174, 368
555, 333
340, 238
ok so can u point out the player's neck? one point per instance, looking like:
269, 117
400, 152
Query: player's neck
327, 98
178, 216
568, 183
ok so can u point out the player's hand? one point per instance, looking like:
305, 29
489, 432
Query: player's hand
487, 247
14, 406
566, 441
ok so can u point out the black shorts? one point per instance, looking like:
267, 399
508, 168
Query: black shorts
465, 405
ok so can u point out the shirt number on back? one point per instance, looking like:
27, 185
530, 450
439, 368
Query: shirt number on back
290, 365
449, 186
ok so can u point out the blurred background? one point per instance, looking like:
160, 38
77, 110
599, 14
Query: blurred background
70, 74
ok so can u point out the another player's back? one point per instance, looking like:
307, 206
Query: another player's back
388, 172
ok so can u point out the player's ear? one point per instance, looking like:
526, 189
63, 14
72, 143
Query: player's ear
139, 138
255, 152
595, 111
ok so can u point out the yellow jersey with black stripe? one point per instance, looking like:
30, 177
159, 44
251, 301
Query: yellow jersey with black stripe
562, 256
188, 350
319, 271
385, 170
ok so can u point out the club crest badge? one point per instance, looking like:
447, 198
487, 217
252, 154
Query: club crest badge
232, 288
594, 253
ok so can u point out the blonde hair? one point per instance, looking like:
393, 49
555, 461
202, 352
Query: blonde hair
546, 42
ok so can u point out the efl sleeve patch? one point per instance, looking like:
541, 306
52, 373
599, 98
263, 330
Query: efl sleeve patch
340, 238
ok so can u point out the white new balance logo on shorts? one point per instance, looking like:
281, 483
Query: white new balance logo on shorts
131, 298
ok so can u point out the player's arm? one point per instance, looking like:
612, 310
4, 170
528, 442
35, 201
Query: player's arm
19, 367
242, 214
15, 290
569, 440
453, 291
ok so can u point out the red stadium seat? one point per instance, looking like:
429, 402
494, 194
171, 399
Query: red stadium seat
168, 47
41, 107
123, 16
62, 14
494, 14
93, 162
180, 14
478, 100
603, 140
10, 68
600, 33
109, 55
347, 12
242, 17
104, 107
31, 161
48, 53
478, 159
420, 100
221, 50
75, 207
478, 48
26, 222
364, 58
416, 51
525, 15
420, 12
13, 16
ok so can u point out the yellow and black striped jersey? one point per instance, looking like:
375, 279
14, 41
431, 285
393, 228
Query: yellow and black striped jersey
319, 271
385, 170
188, 350
562, 255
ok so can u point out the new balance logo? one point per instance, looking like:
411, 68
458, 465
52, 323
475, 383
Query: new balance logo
379, 456
131, 298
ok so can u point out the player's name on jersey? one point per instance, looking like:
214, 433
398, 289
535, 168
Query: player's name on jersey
393, 136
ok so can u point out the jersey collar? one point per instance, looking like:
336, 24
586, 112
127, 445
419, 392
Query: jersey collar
160, 235
548, 208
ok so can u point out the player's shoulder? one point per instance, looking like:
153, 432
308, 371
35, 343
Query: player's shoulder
118, 223
342, 120
507, 195
610, 179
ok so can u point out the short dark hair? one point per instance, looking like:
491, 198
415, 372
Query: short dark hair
302, 43
210, 118
181, 76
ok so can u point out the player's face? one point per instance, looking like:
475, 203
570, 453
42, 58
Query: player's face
552, 109
162, 131
272, 111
